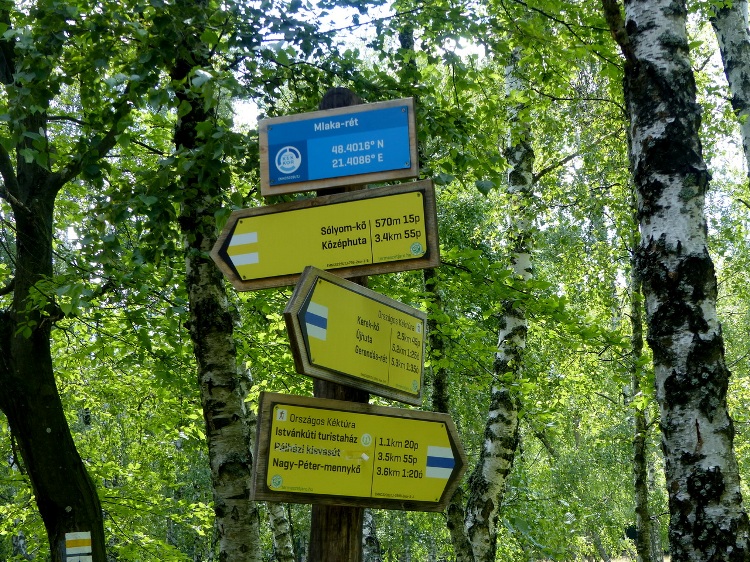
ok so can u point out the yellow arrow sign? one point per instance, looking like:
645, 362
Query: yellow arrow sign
312, 450
360, 233
345, 333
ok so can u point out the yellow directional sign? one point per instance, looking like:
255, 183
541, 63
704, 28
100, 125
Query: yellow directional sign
345, 333
312, 450
360, 233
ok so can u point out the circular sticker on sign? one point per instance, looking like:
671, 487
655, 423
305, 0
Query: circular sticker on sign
416, 249
414, 385
418, 328
276, 481
366, 439
288, 159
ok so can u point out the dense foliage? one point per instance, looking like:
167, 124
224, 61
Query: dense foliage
121, 349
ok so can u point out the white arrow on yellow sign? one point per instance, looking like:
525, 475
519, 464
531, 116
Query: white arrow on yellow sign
359, 233
313, 450
346, 333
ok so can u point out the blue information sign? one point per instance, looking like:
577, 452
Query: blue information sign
364, 140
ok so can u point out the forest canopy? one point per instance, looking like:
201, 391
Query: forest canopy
588, 321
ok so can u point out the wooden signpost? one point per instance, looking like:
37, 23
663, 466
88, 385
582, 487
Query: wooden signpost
313, 450
346, 333
336, 451
364, 232
349, 145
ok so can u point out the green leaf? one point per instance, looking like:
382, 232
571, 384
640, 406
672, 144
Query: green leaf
209, 37
484, 186
184, 108
28, 154
443, 179
148, 200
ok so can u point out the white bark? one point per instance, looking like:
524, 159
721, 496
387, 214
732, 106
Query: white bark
730, 26
707, 520
371, 550
282, 532
487, 482
229, 425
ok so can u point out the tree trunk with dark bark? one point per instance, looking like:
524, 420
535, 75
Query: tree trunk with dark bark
64, 492
643, 520
336, 531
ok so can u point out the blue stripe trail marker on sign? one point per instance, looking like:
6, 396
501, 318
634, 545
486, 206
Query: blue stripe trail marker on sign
440, 462
345, 333
316, 321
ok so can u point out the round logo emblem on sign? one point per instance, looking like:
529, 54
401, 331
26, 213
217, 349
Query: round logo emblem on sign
288, 159
416, 249
366, 439
276, 481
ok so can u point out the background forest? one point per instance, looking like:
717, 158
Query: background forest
131, 117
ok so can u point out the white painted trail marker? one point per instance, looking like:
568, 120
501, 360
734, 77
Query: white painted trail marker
78, 547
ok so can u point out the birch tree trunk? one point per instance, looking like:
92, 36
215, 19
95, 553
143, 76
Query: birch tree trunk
371, 550
730, 25
229, 425
487, 482
707, 519
282, 532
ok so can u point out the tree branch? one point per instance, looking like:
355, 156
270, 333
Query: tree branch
56, 181
543, 172
586, 98
83, 123
569, 27
613, 16
601, 395
543, 438
567, 159
10, 188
